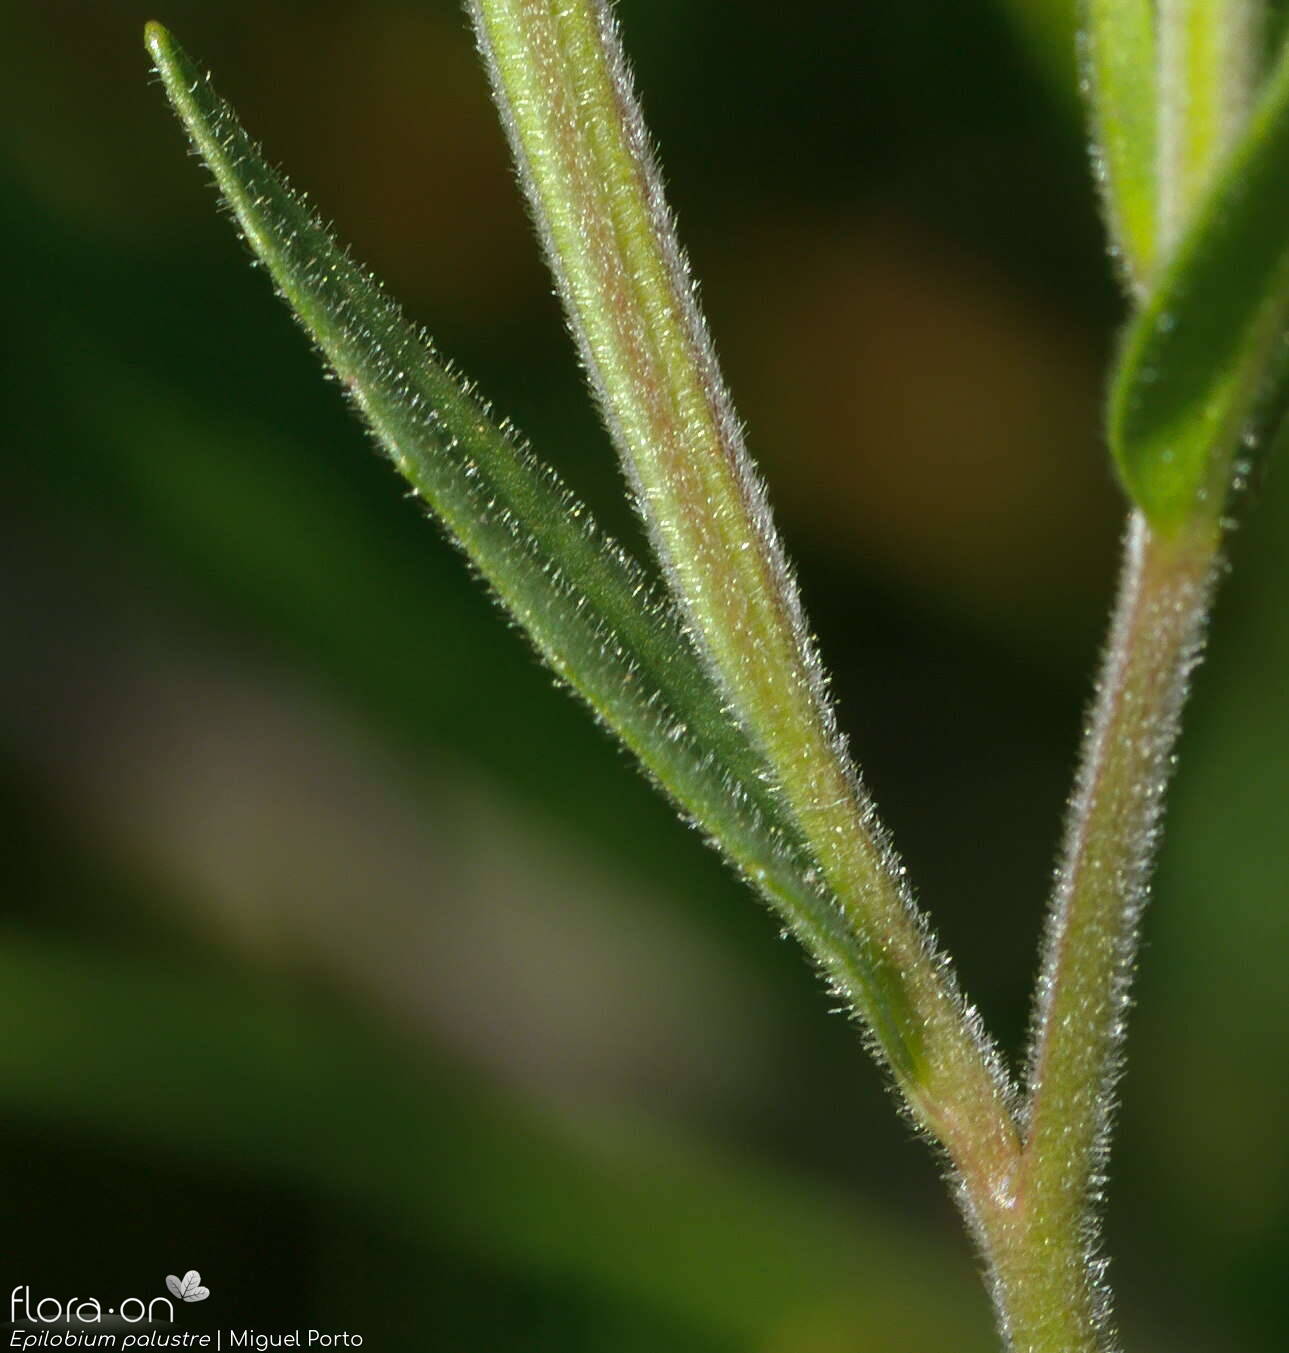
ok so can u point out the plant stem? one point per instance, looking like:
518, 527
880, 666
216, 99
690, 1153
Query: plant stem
1050, 1293
1044, 1247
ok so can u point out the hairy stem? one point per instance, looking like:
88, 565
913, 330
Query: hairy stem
1050, 1289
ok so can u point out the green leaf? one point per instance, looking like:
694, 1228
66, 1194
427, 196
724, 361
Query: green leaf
587, 607
1199, 374
1209, 61
1122, 79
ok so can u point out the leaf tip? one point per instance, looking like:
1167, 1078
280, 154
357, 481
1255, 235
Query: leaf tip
157, 39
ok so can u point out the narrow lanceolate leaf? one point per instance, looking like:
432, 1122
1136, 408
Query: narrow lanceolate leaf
586, 606
566, 98
1120, 57
1209, 59
1200, 364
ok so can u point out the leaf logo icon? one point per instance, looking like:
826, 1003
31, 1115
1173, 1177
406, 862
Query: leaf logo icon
187, 1288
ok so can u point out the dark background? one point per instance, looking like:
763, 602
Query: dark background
342, 959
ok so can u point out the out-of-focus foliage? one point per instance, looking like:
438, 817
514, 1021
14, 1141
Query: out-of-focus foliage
347, 963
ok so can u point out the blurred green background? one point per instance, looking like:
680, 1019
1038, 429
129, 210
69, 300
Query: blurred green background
343, 960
